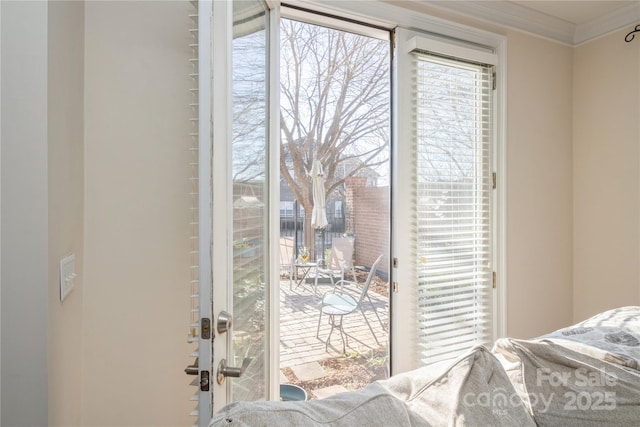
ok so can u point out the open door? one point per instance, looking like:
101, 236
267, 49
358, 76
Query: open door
236, 261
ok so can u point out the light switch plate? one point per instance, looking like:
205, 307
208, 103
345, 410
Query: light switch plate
67, 275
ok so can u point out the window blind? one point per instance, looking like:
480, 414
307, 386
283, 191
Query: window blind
194, 252
453, 124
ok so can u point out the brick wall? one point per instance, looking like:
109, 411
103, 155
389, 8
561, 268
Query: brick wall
369, 221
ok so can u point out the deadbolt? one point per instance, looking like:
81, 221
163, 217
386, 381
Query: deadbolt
224, 322
205, 328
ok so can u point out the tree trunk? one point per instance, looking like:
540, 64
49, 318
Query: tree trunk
309, 232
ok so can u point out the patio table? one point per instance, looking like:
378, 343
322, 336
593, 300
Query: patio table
306, 267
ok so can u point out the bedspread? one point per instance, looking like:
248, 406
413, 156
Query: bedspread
584, 375
461, 394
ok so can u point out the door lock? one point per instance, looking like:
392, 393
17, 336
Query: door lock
205, 328
224, 322
204, 381
230, 371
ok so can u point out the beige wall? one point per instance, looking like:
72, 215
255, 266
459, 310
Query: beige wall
539, 181
136, 287
66, 207
24, 266
606, 175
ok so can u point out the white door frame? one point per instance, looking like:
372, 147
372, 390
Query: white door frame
205, 355
273, 311
221, 193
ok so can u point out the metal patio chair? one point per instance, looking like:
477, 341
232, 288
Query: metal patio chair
337, 304
340, 260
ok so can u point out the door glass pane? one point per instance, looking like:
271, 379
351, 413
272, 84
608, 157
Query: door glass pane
249, 178
335, 114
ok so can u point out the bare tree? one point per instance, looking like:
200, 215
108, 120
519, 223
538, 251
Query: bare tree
249, 92
335, 102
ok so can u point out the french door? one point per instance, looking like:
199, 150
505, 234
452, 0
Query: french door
446, 245
238, 278
442, 277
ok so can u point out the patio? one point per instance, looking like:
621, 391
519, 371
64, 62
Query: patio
299, 312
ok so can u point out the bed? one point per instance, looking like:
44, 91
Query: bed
583, 375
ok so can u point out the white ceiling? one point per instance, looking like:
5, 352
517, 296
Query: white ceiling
568, 21
577, 11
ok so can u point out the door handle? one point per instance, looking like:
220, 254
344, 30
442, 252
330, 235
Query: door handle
231, 371
192, 369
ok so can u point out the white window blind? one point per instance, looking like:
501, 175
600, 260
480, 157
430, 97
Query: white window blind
453, 125
194, 242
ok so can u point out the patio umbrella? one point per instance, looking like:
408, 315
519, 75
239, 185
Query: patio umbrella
319, 214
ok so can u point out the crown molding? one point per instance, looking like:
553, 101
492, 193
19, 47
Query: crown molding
516, 16
511, 15
502, 13
616, 20
392, 13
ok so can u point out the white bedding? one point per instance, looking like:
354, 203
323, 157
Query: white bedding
578, 376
